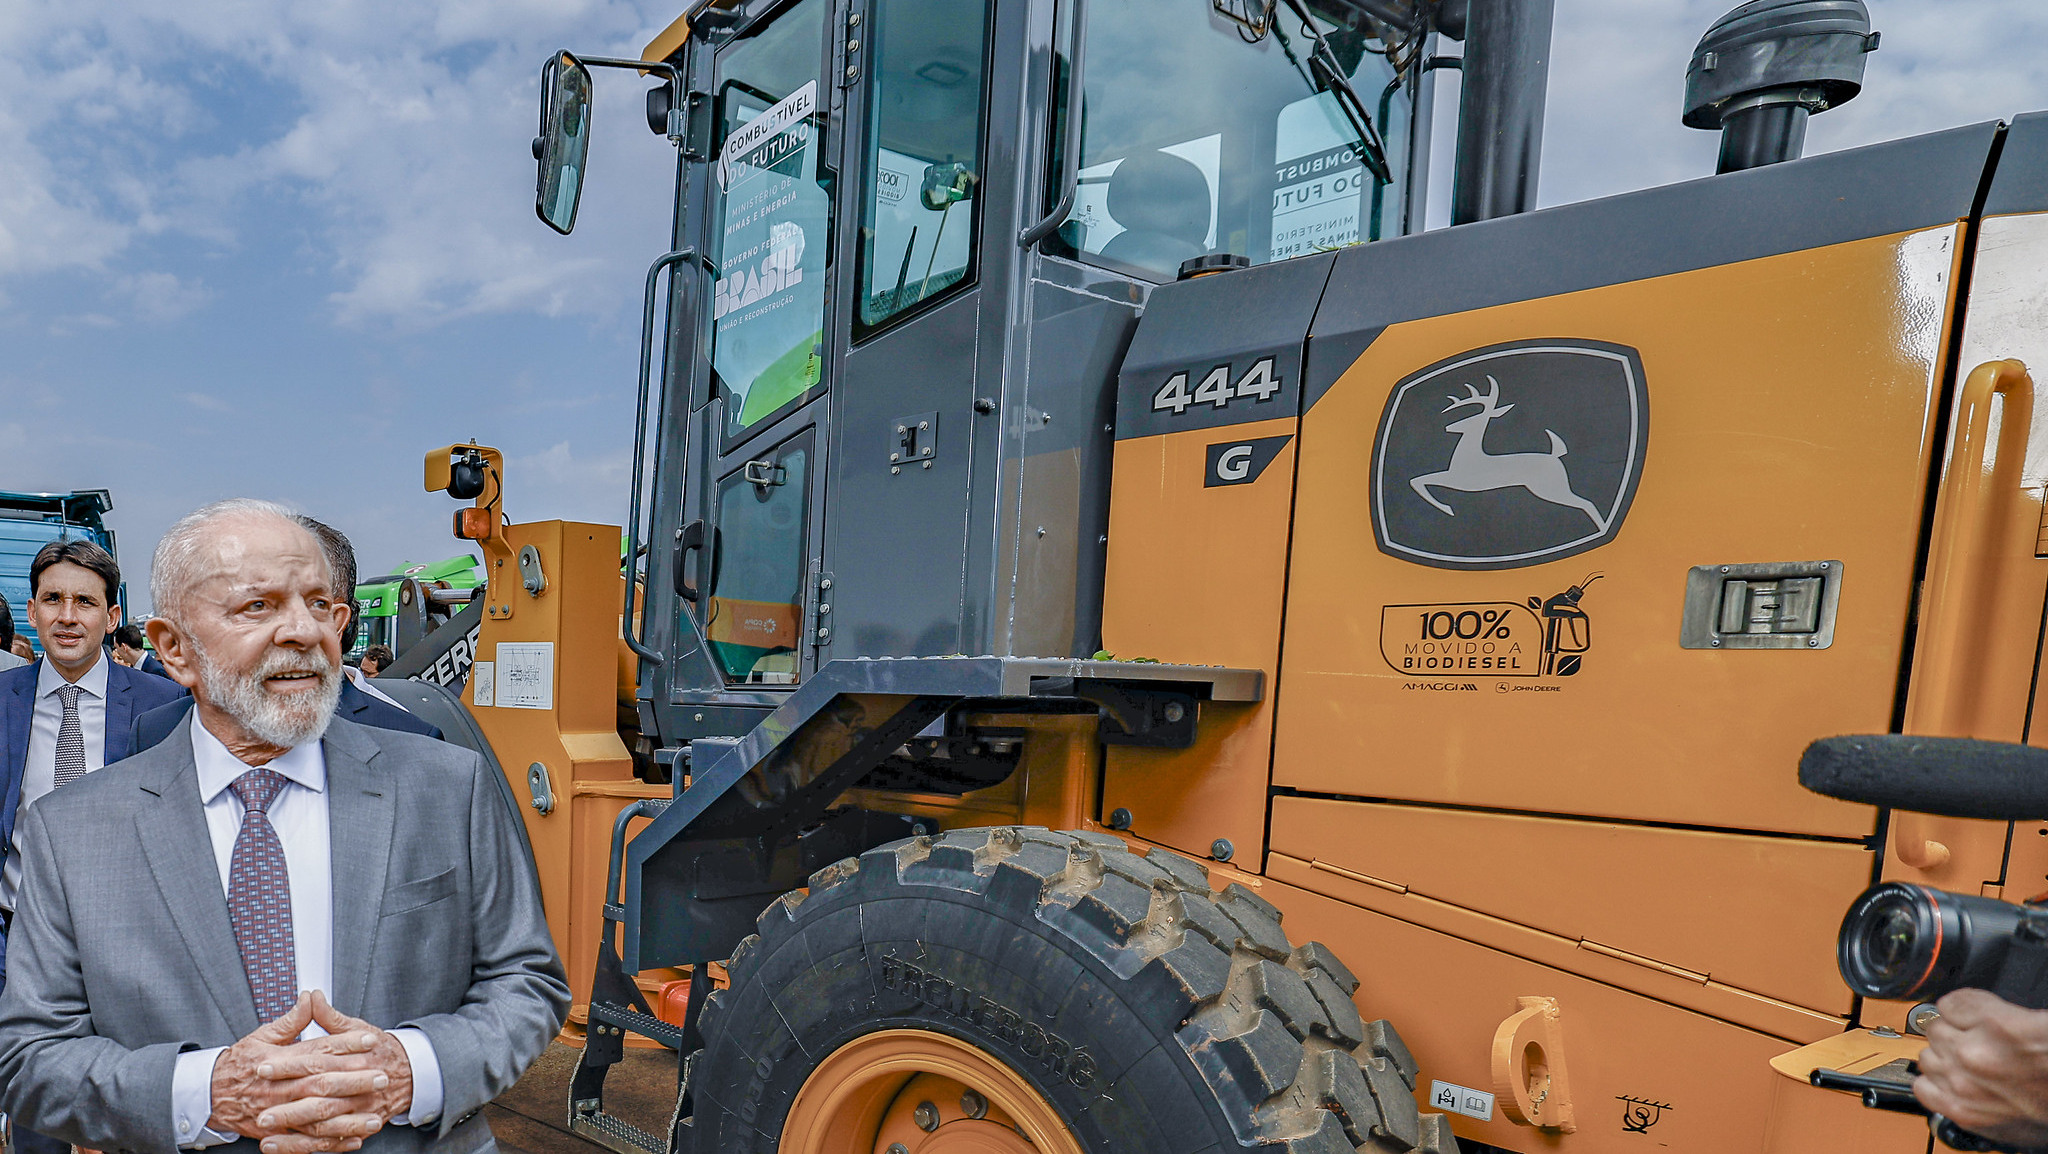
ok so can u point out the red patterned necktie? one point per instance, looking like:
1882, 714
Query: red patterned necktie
260, 898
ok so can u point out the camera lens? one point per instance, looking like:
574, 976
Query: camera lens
1892, 940
1910, 943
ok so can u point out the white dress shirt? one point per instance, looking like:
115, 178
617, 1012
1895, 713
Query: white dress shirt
299, 815
39, 775
11, 661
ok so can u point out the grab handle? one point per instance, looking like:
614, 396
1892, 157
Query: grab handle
1070, 160
1960, 577
634, 641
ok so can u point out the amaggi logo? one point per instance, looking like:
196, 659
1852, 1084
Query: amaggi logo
1545, 466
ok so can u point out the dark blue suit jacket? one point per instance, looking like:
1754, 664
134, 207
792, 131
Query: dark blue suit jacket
355, 706
129, 695
151, 665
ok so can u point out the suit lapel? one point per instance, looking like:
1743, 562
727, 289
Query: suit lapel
354, 702
361, 803
120, 712
172, 832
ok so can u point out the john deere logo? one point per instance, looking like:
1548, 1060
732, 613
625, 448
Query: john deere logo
1510, 455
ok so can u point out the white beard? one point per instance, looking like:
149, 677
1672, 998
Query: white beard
268, 717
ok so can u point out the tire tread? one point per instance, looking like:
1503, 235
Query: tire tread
1268, 1026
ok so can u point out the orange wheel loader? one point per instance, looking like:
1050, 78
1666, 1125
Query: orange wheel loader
1075, 695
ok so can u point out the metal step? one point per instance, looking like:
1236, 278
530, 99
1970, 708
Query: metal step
616, 1133
636, 1022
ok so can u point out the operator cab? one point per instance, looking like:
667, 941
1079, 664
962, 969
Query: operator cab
1215, 137
900, 293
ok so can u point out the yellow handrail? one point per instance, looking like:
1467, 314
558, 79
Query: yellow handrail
1961, 573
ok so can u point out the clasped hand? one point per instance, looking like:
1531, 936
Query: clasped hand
322, 1094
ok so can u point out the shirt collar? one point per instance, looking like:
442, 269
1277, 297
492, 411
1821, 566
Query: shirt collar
48, 680
305, 764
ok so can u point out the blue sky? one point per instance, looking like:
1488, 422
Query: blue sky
250, 247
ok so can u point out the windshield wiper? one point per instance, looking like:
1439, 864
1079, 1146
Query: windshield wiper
1326, 76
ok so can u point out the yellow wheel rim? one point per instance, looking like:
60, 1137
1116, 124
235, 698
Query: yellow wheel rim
919, 1092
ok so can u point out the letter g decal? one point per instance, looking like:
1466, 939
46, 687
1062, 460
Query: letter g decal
1234, 464
1241, 462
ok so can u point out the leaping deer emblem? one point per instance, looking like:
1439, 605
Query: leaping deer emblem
1474, 470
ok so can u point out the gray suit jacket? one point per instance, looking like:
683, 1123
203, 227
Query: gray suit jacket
121, 954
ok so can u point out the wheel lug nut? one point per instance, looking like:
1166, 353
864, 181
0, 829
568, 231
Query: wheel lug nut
973, 1105
926, 1116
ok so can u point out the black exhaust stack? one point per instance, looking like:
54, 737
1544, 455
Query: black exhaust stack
1762, 69
1500, 108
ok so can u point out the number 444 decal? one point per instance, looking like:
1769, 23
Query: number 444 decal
1258, 384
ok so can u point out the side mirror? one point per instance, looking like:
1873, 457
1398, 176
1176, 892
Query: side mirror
946, 185
564, 140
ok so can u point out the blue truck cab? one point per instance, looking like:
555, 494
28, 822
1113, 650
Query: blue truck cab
29, 521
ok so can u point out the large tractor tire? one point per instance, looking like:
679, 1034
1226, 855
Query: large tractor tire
1020, 991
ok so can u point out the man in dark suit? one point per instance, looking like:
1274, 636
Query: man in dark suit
70, 712
67, 714
132, 650
176, 905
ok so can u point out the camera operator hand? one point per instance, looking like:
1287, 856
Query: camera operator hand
1986, 1068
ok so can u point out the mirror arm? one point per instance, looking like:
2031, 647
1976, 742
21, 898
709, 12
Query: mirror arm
675, 85
1070, 172
669, 70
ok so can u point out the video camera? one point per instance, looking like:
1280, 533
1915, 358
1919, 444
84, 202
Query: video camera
1905, 942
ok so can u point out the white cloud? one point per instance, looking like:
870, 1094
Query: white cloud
1617, 84
398, 131
75, 323
557, 482
162, 297
207, 402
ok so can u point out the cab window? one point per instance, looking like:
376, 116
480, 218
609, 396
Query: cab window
754, 614
1199, 136
774, 219
923, 163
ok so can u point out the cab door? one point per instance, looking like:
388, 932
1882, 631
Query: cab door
920, 306
770, 244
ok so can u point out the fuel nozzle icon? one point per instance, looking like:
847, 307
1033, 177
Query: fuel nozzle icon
1567, 630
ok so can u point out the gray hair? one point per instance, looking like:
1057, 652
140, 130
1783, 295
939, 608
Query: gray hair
174, 569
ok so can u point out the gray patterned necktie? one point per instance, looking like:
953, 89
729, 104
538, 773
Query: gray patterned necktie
70, 738
260, 898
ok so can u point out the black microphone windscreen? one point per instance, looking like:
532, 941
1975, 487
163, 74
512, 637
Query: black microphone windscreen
1950, 776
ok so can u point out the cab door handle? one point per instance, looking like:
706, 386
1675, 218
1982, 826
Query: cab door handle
690, 538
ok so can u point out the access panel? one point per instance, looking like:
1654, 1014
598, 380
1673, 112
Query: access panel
1200, 508
1525, 441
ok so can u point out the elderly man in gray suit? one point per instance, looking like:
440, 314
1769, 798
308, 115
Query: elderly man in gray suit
187, 916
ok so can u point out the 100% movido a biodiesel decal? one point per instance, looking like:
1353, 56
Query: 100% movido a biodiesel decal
1499, 638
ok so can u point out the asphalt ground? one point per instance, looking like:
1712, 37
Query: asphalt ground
533, 1116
